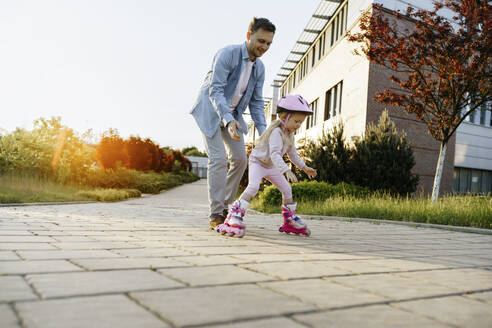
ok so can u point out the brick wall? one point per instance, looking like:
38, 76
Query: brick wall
425, 147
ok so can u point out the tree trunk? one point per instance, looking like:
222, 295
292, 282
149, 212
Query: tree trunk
437, 178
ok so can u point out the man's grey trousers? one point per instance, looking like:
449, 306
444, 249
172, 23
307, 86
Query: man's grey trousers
223, 182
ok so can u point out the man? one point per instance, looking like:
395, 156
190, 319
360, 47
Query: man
234, 83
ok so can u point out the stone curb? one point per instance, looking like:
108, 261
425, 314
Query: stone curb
71, 203
405, 223
48, 203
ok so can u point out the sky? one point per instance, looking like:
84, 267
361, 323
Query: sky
131, 65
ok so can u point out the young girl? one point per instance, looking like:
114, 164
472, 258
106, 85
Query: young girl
266, 162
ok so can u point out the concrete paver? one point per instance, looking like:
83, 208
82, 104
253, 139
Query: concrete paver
266, 323
7, 317
25, 267
292, 270
66, 254
81, 312
375, 316
455, 310
214, 275
14, 288
152, 262
323, 293
8, 256
129, 263
98, 282
218, 304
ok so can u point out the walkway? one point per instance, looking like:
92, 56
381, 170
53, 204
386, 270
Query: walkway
151, 262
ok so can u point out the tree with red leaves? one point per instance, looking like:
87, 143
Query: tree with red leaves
111, 150
139, 155
443, 67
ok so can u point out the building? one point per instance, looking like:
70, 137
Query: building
198, 165
340, 86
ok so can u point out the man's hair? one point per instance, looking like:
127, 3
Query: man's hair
263, 23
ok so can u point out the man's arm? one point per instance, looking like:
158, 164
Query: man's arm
257, 105
221, 69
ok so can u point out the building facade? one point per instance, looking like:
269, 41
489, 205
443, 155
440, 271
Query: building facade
340, 86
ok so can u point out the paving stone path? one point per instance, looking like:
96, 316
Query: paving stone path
151, 262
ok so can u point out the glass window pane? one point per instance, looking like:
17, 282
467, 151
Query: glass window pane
340, 100
464, 181
336, 27
456, 180
335, 100
475, 181
482, 116
342, 16
327, 104
486, 182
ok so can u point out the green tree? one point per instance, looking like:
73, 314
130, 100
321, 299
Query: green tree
193, 151
330, 156
50, 150
383, 159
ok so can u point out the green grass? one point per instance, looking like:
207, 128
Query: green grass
29, 189
32, 189
467, 211
101, 185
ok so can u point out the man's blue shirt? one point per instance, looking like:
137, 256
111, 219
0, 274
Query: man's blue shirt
212, 106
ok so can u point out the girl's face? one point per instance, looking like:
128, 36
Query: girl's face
295, 121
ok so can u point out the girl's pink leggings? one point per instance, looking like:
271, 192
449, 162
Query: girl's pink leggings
258, 172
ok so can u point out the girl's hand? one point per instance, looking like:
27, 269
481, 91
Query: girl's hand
310, 172
290, 176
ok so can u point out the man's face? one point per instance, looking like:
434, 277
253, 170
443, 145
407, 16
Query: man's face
258, 42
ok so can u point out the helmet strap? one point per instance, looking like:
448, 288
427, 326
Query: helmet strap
284, 123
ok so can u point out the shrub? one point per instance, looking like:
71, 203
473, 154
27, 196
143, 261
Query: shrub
109, 195
383, 160
146, 182
330, 155
312, 191
50, 150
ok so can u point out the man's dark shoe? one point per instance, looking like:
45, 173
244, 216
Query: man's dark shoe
216, 220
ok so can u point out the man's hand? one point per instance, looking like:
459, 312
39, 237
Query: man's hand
234, 127
311, 173
290, 176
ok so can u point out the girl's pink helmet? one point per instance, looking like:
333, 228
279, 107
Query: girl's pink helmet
293, 103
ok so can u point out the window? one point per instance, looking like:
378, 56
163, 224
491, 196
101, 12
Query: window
472, 181
338, 25
327, 104
332, 39
471, 117
333, 101
313, 58
340, 95
342, 18
320, 47
312, 119
482, 116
